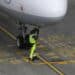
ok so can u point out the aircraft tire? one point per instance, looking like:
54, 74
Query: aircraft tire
20, 42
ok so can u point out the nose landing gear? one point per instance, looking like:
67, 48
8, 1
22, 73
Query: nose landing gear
20, 42
22, 38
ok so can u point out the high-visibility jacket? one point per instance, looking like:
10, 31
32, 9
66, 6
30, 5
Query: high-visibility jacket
32, 39
33, 42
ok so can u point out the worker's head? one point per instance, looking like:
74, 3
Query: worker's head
34, 31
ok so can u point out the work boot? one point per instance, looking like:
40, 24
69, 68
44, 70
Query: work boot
35, 58
30, 59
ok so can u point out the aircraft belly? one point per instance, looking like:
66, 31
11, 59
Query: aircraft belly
45, 8
37, 11
30, 19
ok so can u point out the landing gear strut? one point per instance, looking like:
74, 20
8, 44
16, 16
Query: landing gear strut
21, 38
20, 42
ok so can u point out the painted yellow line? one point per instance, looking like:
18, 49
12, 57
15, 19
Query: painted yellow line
46, 62
25, 59
7, 32
60, 62
51, 66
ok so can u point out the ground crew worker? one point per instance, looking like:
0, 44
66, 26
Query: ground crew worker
33, 41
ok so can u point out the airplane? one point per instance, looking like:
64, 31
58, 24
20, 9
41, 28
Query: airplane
34, 12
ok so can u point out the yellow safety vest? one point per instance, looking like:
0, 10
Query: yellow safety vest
31, 39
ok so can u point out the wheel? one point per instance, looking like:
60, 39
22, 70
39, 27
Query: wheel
20, 42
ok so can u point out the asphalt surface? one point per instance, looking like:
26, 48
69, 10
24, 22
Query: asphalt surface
57, 44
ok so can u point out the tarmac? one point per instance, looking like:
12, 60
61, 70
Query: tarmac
56, 48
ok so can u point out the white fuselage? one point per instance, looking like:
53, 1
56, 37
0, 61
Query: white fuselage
35, 11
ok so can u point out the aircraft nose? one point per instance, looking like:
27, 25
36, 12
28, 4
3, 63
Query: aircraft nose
44, 11
54, 8
46, 8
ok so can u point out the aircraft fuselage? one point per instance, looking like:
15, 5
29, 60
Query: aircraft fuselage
35, 11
